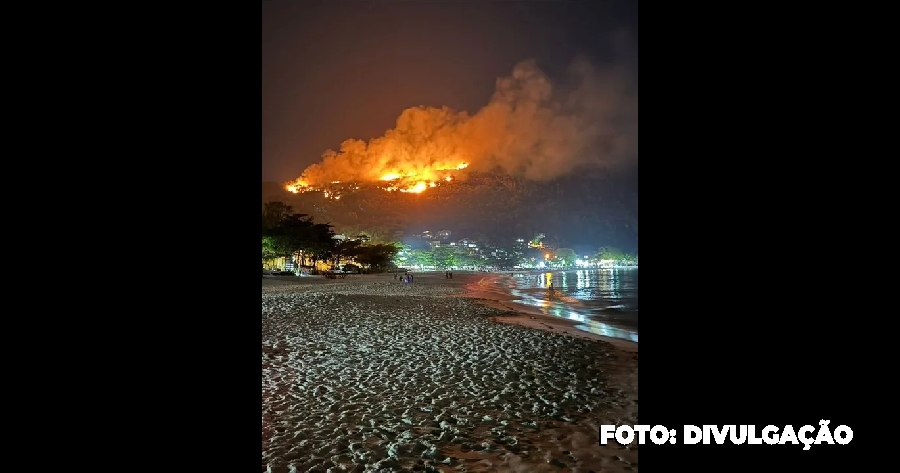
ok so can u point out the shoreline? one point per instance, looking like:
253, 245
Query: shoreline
472, 285
532, 318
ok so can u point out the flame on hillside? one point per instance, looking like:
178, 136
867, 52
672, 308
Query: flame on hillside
413, 183
524, 131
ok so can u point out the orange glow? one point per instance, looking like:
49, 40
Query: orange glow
523, 131
414, 181
297, 186
416, 189
419, 180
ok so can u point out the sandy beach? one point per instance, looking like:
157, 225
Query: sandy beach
368, 374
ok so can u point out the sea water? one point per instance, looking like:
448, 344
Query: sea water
601, 301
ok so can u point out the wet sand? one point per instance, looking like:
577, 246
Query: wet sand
366, 373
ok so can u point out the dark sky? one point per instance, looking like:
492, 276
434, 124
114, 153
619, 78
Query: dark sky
336, 70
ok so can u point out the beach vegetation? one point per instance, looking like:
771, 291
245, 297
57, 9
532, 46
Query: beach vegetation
376, 257
566, 257
287, 234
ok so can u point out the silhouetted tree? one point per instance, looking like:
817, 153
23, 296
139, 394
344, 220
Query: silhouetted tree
274, 213
286, 233
345, 249
377, 256
567, 256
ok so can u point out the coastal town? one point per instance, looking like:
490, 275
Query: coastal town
443, 250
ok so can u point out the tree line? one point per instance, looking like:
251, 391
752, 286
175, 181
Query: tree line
286, 234
449, 257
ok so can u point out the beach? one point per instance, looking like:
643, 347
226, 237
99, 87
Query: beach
369, 374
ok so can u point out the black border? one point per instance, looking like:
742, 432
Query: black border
748, 328
186, 90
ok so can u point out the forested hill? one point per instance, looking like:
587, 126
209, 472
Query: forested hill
586, 210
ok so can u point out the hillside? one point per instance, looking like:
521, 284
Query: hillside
571, 211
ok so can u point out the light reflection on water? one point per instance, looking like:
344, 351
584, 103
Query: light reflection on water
604, 301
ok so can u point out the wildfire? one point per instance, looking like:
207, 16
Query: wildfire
297, 186
416, 189
418, 182
525, 130
413, 182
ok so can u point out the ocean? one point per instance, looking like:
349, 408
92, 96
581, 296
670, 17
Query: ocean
601, 301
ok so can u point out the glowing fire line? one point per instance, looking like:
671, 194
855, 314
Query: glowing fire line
398, 181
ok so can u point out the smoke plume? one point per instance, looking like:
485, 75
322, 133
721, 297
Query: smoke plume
529, 129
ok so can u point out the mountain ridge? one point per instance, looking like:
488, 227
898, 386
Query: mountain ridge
589, 209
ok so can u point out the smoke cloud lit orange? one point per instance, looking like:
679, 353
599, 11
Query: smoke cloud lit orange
526, 130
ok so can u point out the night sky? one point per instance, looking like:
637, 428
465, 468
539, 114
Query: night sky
335, 70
